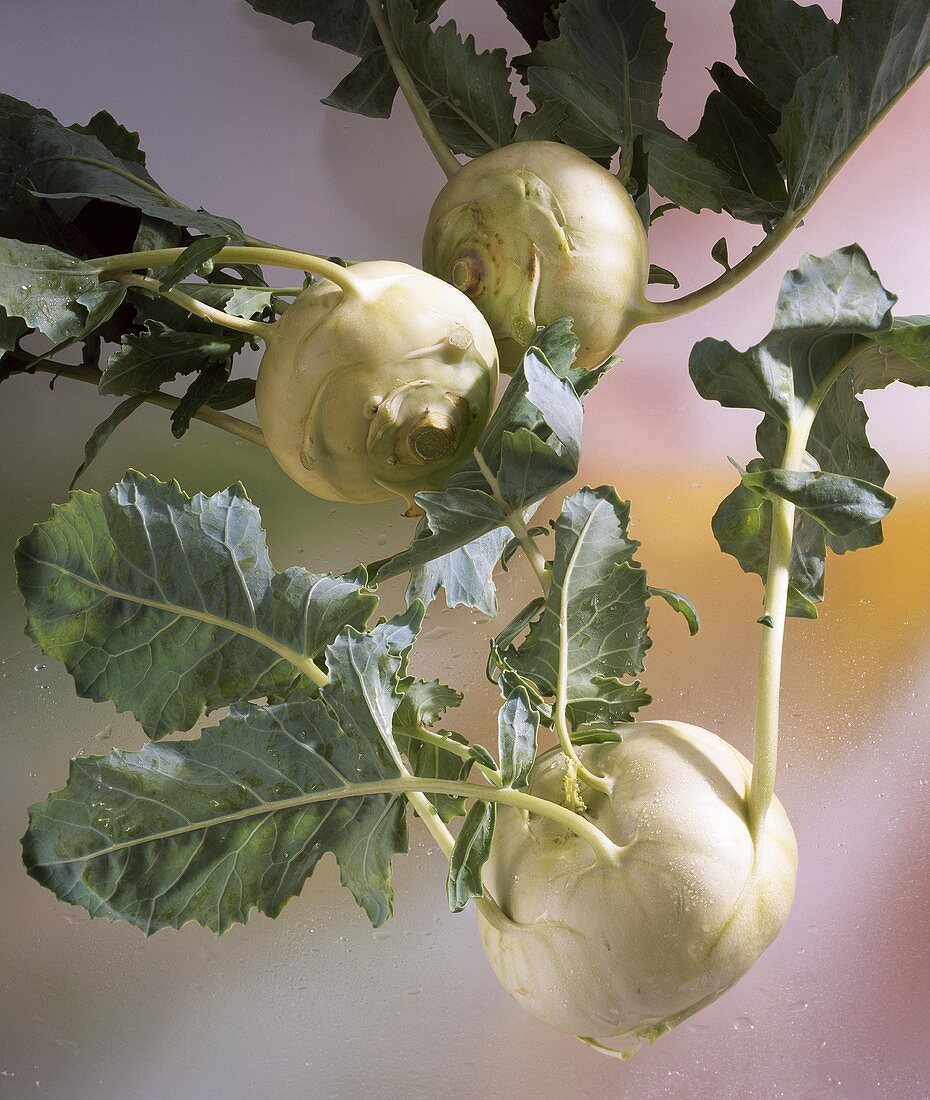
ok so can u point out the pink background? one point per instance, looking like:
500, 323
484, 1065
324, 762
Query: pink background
317, 1004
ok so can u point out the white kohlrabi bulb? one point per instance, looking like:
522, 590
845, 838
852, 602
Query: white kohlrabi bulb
627, 951
535, 231
376, 390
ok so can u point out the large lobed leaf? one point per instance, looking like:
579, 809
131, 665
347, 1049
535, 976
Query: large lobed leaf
169, 605
208, 830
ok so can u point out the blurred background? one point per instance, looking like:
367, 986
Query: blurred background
317, 1004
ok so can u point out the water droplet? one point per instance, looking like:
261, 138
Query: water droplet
38, 668
104, 734
743, 1023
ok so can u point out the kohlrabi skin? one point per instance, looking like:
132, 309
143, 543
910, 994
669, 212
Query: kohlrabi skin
379, 388
627, 951
535, 231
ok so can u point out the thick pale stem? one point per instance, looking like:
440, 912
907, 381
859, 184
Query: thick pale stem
233, 254
534, 555
193, 305
232, 424
772, 624
443, 154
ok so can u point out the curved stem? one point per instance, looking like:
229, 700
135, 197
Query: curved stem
232, 424
421, 733
258, 329
440, 150
232, 254
649, 312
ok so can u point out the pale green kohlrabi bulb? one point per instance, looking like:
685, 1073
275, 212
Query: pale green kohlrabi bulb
626, 952
535, 231
376, 390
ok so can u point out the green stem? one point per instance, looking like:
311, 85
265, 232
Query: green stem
604, 848
650, 312
441, 151
232, 424
232, 254
421, 733
516, 524
777, 583
768, 677
258, 329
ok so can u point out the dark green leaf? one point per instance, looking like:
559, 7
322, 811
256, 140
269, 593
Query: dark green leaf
191, 259
235, 393
843, 505
121, 142
749, 98
778, 41
169, 606
721, 253
466, 93
534, 19
102, 433
207, 385
517, 726
207, 830
682, 605
472, 848
732, 141
543, 124
660, 275
157, 354
369, 89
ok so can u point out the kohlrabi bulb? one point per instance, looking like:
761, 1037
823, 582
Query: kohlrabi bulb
627, 951
535, 231
379, 388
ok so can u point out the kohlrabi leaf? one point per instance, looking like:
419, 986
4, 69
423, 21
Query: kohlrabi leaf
733, 142
466, 574
534, 19
424, 702
158, 354
169, 605
605, 68
845, 80
467, 93
74, 166
778, 41
681, 604
210, 829
529, 448
833, 339
208, 384
54, 293
101, 434
843, 505
742, 525
191, 259
517, 726
747, 96
471, 851
239, 391
593, 628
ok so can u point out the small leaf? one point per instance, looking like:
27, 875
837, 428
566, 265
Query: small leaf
191, 260
721, 253
158, 354
682, 605
517, 726
660, 275
102, 433
60, 296
207, 385
471, 851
